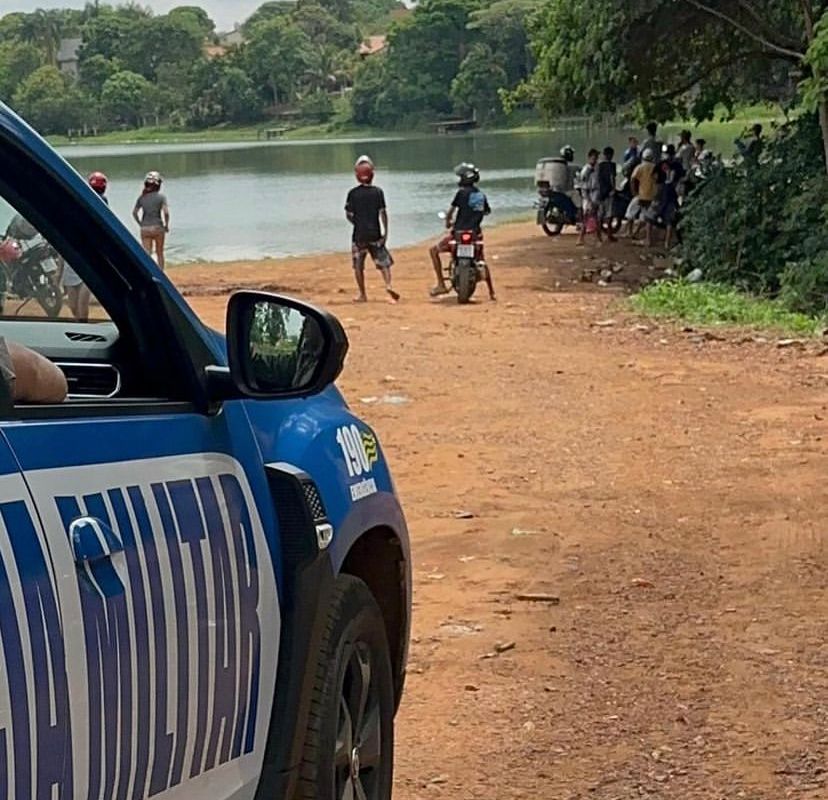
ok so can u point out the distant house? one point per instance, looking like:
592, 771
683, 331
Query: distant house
234, 38
67, 56
372, 46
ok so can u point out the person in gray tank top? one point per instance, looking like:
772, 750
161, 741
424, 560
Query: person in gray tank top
152, 213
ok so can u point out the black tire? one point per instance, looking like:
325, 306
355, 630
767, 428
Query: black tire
350, 737
554, 220
465, 280
50, 299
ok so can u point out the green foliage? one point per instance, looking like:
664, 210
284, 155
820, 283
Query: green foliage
448, 56
476, 87
716, 304
276, 55
805, 285
317, 106
760, 226
48, 101
96, 70
126, 97
222, 93
367, 104
815, 86
18, 60
601, 55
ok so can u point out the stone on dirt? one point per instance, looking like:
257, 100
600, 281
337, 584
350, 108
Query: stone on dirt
538, 597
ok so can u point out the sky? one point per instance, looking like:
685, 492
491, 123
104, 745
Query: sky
225, 12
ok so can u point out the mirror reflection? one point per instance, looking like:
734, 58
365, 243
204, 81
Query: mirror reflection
285, 347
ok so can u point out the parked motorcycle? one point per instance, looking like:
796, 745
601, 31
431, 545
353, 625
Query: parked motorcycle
559, 202
466, 266
29, 270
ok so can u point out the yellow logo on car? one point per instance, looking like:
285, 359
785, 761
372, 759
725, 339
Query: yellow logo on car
369, 443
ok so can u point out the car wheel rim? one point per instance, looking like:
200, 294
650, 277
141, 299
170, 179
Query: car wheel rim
359, 731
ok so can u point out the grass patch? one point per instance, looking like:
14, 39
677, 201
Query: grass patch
717, 305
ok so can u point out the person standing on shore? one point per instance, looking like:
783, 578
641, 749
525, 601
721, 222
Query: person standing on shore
77, 292
590, 199
152, 213
366, 211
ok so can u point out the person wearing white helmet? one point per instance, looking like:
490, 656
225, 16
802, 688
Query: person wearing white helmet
152, 213
644, 184
366, 211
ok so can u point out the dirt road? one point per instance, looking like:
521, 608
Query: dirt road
667, 493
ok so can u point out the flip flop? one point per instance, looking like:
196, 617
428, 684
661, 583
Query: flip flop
438, 291
393, 296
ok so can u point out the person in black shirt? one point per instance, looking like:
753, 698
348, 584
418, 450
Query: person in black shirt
466, 213
366, 211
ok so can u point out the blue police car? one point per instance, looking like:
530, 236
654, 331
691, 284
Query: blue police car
204, 568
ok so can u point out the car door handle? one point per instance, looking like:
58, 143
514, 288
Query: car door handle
93, 540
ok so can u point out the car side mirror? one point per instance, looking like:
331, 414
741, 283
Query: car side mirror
281, 347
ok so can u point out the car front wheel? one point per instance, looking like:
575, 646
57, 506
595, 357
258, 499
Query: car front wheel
349, 748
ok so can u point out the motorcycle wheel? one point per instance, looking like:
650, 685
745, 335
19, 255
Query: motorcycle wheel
50, 300
553, 221
465, 281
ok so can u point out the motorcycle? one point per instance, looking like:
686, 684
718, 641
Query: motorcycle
29, 270
559, 202
466, 267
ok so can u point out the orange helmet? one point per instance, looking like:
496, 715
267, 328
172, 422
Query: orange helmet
98, 181
364, 170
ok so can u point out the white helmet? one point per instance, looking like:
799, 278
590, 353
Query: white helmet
648, 155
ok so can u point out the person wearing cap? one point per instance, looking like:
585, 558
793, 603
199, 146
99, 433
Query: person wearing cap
466, 213
644, 184
152, 213
366, 211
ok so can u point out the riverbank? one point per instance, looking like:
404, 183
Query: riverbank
660, 491
229, 134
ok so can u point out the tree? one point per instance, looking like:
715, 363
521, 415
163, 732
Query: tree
196, 19
367, 97
268, 11
222, 93
323, 28
49, 102
125, 98
424, 55
478, 83
277, 56
504, 26
96, 70
815, 87
44, 29
601, 55
18, 60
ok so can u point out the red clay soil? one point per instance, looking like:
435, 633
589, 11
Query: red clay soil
661, 493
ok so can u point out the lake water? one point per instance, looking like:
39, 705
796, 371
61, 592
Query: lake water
258, 200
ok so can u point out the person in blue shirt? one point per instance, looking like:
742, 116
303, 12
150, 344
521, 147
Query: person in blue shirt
466, 213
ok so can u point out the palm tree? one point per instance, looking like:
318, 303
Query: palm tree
44, 29
329, 68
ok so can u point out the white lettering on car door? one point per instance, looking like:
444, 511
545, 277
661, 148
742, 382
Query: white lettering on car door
171, 644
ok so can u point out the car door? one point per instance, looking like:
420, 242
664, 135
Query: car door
34, 686
155, 512
169, 593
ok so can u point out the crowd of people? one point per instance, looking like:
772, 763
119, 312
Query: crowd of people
649, 188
